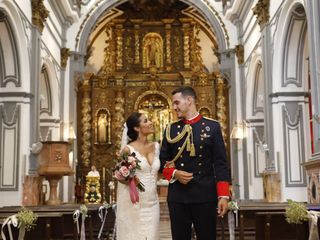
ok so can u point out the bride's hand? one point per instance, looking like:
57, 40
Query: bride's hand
137, 180
123, 182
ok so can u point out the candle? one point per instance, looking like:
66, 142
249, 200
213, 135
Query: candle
104, 182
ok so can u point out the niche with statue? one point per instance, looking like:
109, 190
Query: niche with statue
103, 126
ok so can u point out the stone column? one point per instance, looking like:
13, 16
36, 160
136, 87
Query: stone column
222, 106
119, 46
39, 15
186, 45
262, 11
137, 23
168, 40
119, 116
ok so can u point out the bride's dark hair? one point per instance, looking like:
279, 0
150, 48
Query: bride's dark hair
133, 121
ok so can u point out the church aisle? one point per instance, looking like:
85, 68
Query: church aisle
165, 232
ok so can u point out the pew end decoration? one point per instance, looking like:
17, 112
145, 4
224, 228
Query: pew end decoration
297, 213
25, 220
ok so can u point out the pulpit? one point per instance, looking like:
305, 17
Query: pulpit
53, 164
313, 172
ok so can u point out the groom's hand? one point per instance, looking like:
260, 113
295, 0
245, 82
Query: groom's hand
183, 177
222, 208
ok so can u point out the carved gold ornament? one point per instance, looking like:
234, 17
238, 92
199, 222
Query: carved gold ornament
64, 55
262, 11
86, 122
222, 107
240, 53
39, 14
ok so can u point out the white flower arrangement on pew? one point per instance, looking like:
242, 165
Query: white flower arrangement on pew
24, 220
297, 213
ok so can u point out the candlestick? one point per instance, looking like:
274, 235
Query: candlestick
104, 183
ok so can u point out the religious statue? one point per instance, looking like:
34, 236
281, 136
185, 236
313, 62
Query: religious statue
92, 194
152, 54
153, 51
102, 128
94, 172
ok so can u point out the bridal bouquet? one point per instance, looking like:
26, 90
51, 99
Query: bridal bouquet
125, 171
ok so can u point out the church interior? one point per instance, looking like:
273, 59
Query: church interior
72, 71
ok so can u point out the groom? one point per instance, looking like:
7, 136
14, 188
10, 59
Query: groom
193, 160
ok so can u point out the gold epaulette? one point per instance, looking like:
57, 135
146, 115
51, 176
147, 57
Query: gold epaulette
211, 119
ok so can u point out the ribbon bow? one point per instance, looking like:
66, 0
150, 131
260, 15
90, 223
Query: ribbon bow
13, 220
76, 216
102, 215
313, 223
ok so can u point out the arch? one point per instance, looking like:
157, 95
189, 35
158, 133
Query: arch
251, 82
200, 6
9, 67
20, 37
151, 92
45, 92
281, 40
53, 86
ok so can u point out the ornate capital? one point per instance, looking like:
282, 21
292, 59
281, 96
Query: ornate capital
64, 55
240, 53
39, 14
262, 11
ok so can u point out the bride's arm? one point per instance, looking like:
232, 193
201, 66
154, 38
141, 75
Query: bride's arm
125, 150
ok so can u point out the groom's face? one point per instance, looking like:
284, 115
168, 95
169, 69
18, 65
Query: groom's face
181, 104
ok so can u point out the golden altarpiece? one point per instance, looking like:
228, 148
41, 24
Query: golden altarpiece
144, 61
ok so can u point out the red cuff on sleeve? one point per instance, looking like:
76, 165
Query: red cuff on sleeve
223, 189
167, 173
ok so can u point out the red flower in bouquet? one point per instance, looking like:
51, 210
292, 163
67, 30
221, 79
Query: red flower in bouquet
125, 171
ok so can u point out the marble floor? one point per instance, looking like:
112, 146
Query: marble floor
165, 232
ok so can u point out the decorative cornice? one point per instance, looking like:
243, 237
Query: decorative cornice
39, 14
64, 55
240, 53
262, 11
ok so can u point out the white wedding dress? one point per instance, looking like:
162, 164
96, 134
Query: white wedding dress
140, 221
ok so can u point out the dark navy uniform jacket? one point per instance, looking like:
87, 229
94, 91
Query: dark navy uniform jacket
209, 166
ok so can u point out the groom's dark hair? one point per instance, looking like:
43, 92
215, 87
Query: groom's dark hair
186, 91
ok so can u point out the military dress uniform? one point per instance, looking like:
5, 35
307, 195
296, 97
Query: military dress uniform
194, 146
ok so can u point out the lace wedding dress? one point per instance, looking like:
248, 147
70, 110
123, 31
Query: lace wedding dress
140, 221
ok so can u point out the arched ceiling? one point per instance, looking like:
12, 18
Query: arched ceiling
155, 10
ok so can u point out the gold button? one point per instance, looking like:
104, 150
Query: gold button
201, 147
200, 155
179, 148
178, 132
180, 156
200, 164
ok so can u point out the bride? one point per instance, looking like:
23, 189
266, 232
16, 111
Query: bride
139, 221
